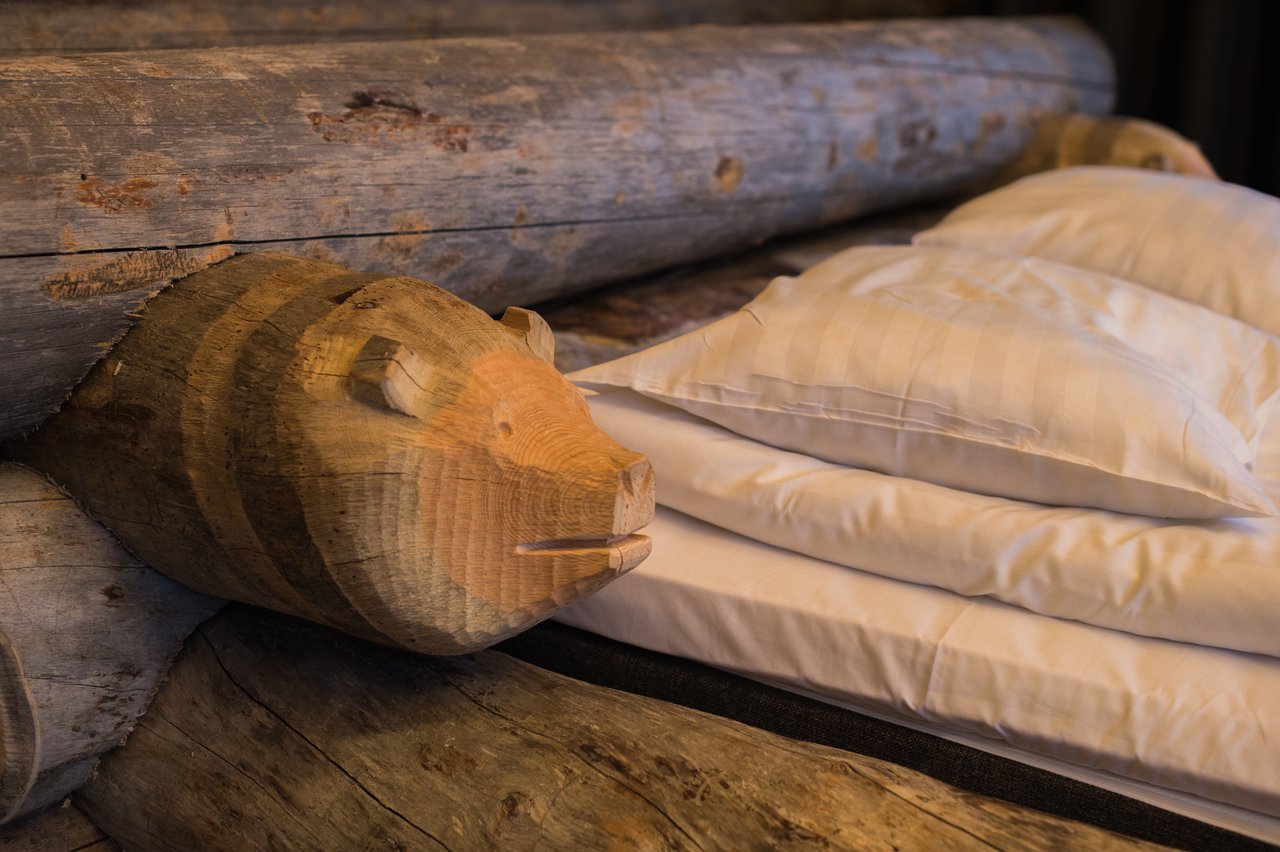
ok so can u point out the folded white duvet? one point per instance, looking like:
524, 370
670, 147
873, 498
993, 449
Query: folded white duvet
1184, 717
1212, 582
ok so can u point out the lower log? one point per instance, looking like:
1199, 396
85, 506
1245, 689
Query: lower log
58, 829
86, 633
276, 734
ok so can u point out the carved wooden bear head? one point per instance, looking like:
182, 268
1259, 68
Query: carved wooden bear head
365, 451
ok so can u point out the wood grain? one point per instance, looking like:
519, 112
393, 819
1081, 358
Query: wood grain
88, 631
315, 741
508, 170
56, 829
363, 450
65, 26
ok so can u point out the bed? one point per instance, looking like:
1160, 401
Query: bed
1134, 654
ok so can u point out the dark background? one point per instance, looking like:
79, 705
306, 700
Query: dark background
1209, 69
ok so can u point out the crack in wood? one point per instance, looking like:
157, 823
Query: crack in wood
143, 724
573, 751
719, 210
336, 765
919, 807
567, 223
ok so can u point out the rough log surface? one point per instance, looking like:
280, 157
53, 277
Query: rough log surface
509, 170
314, 741
56, 829
88, 632
363, 450
65, 26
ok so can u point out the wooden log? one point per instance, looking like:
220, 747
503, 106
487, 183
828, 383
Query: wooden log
314, 741
632, 315
56, 829
66, 26
363, 450
86, 632
507, 170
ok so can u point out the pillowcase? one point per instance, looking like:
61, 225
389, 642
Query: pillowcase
1208, 242
1001, 375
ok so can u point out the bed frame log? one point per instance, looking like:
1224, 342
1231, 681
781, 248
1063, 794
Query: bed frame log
88, 631
317, 741
364, 450
509, 170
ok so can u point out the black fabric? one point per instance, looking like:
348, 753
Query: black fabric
605, 662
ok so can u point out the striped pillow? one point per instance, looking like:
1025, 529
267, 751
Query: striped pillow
1010, 376
1208, 242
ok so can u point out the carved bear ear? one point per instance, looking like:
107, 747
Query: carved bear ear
533, 330
389, 374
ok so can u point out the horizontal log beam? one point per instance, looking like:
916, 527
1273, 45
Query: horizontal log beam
506, 170
62, 26
316, 741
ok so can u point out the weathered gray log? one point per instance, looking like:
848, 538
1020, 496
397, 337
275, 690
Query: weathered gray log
86, 632
363, 450
507, 170
274, 734
56, 829
624, 318
65, 26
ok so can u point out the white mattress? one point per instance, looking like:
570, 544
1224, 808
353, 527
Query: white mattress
1185, 727
1193, 727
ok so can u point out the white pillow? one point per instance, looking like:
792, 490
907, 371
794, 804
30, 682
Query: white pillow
1208, 242
1000, 375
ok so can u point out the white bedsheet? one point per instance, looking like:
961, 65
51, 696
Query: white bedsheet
1183, 717
1214, 583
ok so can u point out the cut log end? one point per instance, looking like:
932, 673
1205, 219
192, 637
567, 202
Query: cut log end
87, 635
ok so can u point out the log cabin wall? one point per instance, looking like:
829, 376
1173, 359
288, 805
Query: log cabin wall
506, 170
